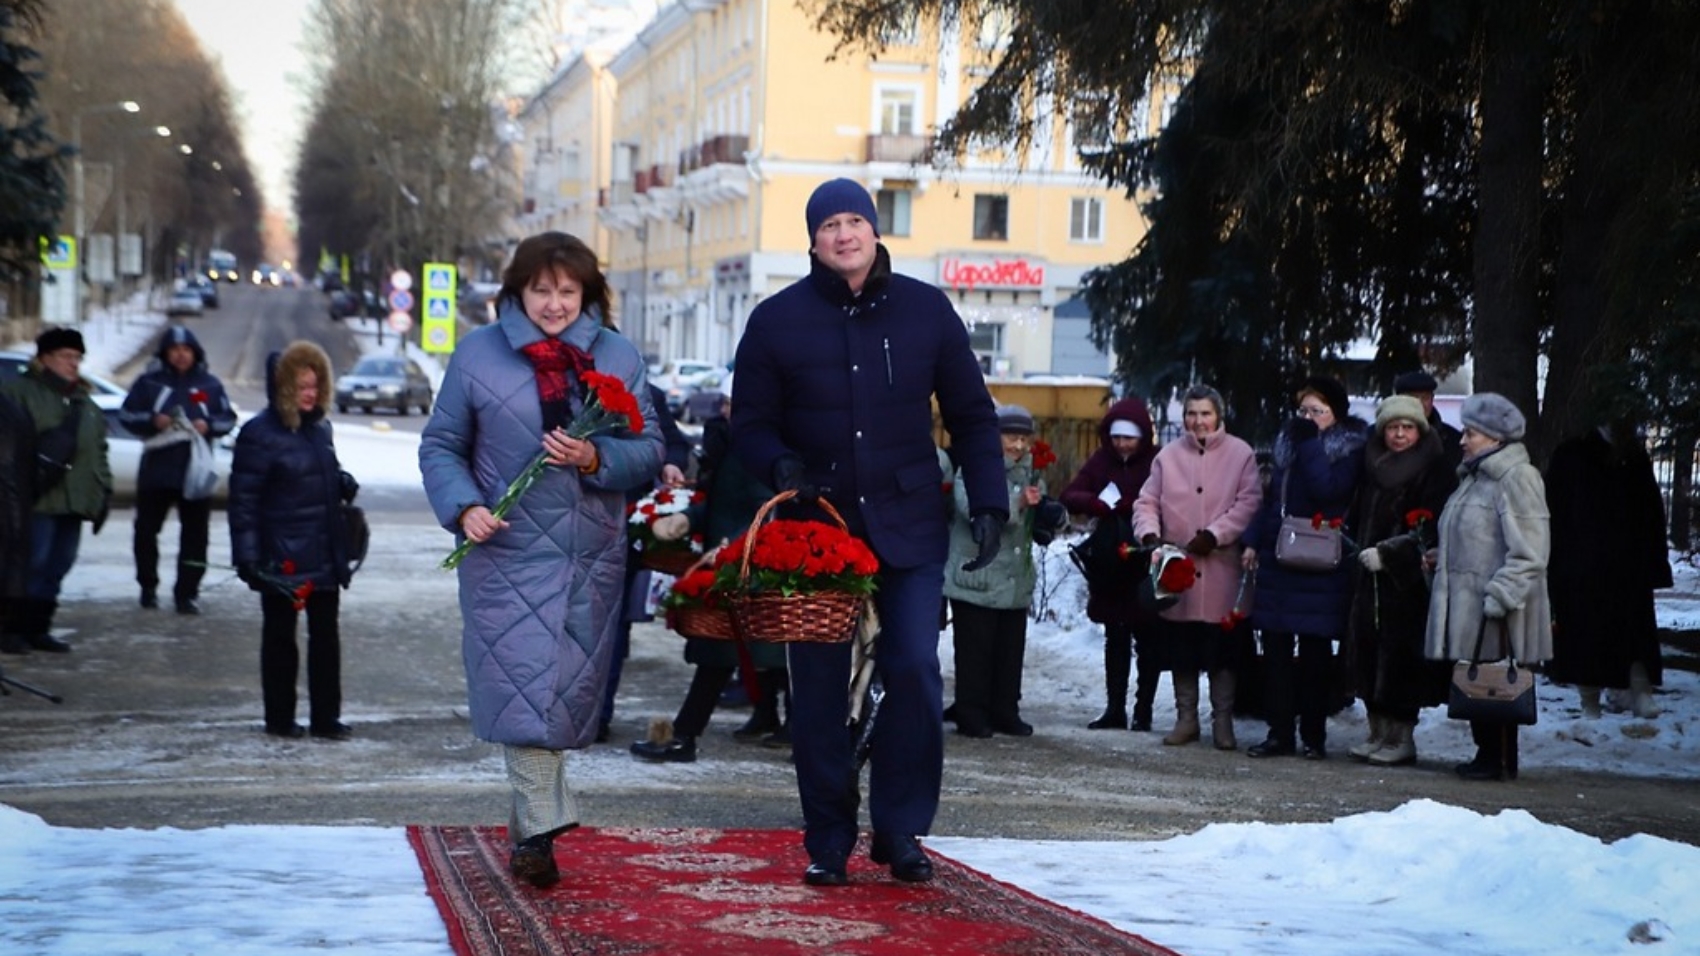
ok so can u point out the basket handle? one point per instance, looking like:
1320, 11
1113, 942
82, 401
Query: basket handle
762, 515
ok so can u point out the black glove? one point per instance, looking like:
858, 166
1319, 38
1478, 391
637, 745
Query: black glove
1303, 429
248, 574
987, 529
1201, 544
1149, 541
349, 488
788, 476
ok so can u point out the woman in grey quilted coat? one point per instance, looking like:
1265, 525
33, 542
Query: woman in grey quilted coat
1495, 538
541, 593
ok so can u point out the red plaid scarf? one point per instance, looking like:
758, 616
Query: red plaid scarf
552, 359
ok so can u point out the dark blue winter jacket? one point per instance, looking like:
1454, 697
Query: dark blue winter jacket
1319, 474
161, 390
847, 382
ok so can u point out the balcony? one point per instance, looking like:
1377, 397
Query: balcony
896, 147
642, 181
725, 149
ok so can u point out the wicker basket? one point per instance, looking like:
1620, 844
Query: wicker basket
711, 623
673, 561
826, 617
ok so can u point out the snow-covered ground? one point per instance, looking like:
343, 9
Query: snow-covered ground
1423, 878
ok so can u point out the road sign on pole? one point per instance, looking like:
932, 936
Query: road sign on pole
401, 321
437, 325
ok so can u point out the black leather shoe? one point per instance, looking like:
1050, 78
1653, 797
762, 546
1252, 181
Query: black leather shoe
677, 750
1139, 725
1317, 752
290, 731
1013, 727
188, 606
336, 731
150, 598
758, 726
534, 861
908, 861
1479, 770
48, 643
1270, 748
13, 644
973, 728
826, 874
1112, 720
778, 740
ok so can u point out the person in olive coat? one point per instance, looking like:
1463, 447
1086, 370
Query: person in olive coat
73, 481
286, 491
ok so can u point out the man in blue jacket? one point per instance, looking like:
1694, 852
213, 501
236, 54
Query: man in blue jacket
836, 378
171, 405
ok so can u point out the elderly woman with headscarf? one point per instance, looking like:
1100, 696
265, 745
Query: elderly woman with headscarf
1495, 535
1406, 478
1203, 492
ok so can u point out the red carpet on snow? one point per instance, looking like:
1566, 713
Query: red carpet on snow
683, 892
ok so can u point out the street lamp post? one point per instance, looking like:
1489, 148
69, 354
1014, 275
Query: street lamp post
77, 223
162, 132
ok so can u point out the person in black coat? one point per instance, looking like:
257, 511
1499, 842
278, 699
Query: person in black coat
1608, 557
637, 582
17, 503
172, 404
286, 492
837, 374
1421, 386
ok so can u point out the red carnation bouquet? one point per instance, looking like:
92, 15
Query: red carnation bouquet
641, 516
798, 557
1172, 571
608, 408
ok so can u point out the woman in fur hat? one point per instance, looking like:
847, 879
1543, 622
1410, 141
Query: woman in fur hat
1495, 539
1407, 477
286, 491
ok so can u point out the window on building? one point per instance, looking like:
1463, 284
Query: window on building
986, 338
1091, 123
893, 206
1086, 219
898, 109
991, 217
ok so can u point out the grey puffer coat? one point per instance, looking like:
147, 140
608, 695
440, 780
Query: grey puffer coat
1495, 536
541, 600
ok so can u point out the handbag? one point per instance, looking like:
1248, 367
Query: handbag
201, 477
1302, 546
356, 535
1496, 691
1107, 557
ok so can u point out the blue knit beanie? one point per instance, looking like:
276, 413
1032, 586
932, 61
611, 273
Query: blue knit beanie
840, 195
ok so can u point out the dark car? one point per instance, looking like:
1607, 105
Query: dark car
206, 287
384, 381
342, 304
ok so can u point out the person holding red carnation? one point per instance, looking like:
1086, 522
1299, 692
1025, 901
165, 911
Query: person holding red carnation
286, 489
1407, 478
541, 594
1203, 492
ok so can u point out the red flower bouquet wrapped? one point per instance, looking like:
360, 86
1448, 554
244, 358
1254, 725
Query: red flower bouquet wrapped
668, 555
697, 608
797, 580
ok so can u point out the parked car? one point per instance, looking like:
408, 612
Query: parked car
207, 288
14, 363
184, 301
124, 456
384, 381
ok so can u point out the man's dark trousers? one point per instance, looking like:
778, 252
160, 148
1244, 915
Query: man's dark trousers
152, 505
906, 768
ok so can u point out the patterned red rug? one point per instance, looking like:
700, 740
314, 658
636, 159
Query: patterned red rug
685, 892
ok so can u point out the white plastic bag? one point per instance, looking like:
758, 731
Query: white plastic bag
201, 477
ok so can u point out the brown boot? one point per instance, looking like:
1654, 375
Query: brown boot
1222, 710
1186, 709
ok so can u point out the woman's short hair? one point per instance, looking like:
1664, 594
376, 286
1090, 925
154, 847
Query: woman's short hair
558, 251
1204, 393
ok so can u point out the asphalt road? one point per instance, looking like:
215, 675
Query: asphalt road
161, 720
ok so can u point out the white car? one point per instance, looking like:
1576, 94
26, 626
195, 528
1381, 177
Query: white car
185, 301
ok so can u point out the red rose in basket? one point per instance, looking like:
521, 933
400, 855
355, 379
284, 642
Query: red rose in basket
799, 557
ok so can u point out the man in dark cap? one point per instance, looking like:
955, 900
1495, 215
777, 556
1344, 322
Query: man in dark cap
171, 405
73, 482
1421, 386
837, 375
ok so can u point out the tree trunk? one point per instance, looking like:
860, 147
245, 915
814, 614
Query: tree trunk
1682, 493
1507, 243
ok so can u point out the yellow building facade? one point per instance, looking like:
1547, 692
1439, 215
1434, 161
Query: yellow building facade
725, 115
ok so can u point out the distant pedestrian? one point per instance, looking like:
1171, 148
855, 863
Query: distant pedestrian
174, 404
73, 482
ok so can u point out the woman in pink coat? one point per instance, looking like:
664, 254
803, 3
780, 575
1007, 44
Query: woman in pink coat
1203, 491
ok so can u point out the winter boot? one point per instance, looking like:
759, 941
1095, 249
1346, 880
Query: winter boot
1397, 747
1146, 679
1590, 698
1222, 710
37, 626
1378, 730
1186, 709
1118, 659
1641, 692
